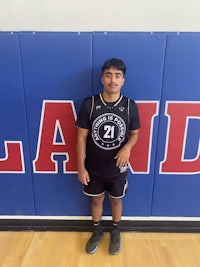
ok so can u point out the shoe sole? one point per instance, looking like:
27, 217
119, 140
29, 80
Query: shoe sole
95, 249
114, 253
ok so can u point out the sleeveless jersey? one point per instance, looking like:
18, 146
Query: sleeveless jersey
108, 132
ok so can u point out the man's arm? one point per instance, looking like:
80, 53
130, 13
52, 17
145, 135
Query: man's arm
123, 155
81, 153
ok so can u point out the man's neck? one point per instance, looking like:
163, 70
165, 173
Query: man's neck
110, 97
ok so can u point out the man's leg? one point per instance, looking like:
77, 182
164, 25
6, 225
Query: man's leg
116, 208
96, 209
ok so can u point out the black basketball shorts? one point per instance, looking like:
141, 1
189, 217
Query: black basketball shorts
116, 188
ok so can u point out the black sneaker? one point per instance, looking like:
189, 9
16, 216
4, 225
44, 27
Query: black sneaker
91, 246
115, 246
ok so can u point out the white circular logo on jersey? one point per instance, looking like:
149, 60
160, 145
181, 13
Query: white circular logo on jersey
108, 131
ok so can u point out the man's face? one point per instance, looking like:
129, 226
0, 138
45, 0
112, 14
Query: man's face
112, 80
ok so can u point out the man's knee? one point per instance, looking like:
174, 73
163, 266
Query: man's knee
115, 201
98, 200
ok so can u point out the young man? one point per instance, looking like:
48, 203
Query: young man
108, 126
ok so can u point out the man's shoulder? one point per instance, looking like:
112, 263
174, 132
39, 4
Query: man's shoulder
88, 102
88, 99
128, 99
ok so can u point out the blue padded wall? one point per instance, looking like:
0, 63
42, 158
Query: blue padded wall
45, 76
176, 194
16, 189
57, 66
144, 57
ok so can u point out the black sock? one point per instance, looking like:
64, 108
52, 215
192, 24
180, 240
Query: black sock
97, 228
116, 224
96, 224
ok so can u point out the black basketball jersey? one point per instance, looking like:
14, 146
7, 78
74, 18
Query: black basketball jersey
108, 132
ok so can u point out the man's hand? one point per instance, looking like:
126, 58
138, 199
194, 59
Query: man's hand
84, 177
122, 156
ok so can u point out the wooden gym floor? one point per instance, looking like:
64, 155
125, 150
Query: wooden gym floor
67, 249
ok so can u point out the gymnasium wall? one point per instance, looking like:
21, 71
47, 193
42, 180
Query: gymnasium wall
44, 77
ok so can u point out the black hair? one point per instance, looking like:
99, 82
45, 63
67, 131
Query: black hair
114, 63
